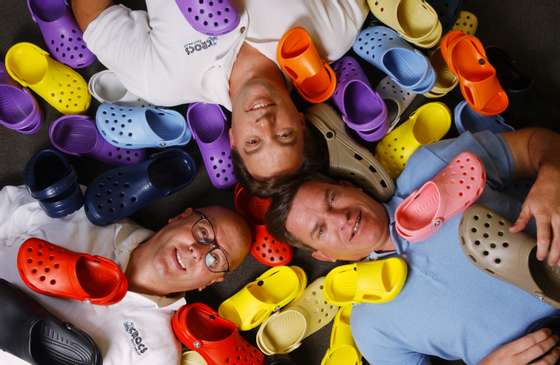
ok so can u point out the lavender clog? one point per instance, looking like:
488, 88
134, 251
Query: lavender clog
210, 17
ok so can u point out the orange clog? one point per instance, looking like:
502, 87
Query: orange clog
466, 58
266, 250
299, 59
55, 271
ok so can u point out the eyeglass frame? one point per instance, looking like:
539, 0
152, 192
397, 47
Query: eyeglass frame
213, 244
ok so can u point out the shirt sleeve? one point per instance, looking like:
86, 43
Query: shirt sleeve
120, 38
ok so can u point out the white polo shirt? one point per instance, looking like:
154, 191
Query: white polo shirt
158, 56
137, 330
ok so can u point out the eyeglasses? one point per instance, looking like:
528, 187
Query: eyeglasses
204, 234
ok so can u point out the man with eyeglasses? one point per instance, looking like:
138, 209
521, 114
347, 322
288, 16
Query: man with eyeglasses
194, 250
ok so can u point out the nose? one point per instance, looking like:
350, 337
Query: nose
197, 251
339, 218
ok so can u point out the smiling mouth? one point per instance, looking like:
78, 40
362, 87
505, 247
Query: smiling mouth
179, 260
356, 225
260, 104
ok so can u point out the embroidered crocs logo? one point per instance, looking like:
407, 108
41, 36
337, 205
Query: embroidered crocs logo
200, 45
135, 338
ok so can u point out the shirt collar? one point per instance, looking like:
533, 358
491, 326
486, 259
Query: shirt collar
401, 245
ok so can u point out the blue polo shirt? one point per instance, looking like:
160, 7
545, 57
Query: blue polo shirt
448, 307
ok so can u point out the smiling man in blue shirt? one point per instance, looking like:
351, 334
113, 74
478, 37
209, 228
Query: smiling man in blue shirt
448, 308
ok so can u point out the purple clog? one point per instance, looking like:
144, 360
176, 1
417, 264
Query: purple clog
208, 125
210, 17
61, 33
77, 135
362, 108
18, 108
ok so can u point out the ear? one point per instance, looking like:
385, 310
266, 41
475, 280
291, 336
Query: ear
318, 255
216, 280
183, 215
231, 140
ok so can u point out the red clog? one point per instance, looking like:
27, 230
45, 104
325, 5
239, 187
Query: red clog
55, 271
201, 329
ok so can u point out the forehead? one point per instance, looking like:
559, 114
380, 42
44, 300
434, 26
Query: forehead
274, 160
309, 202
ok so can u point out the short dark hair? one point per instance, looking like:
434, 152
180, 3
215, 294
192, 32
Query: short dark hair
313, 160
282, 200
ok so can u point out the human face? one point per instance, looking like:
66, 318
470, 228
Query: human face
177, 261
267, 130
340, 222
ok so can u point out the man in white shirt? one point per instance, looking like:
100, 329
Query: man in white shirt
160, 57
192, 251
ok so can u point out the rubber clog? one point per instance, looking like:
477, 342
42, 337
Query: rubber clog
77, 135
298, 57
449, 193
428, 124
34, 335
347, 158
52, 180
448, 11
264, 248
192, 358
342, 348
283, 332
362, 108
63, 88
415, 20
208, 125
467, 119
61, 33
466, 58
446, 81
365, 282
105, 87
383, 48
210, 17
466, 22
141, 127
268, 293
120, 192
19, 110
201, 329
396, 99
55, 271
487, 242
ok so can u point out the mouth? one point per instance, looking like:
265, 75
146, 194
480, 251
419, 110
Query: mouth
179, 261
356, 226
261, 103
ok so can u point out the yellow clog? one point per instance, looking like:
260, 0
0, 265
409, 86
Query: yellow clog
466, 22
377, 282
271, 291
63, 88
342, 348
192, 358
428, 124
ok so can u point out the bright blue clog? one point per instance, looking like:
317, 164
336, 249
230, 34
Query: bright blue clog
467, 119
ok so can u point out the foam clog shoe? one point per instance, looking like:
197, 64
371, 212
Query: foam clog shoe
347, 158
448, 11
19, 110
466, 22
105, 87
264, 248
490, 246
396, 98
377, 281
209, 127
467, 119
120, 192
466, 58
51, 180
34, 335
77, 135
383, 48
55, 271
210, 17
342, 348
60, 86
362, 108
268, 293
61, 33
192, 358
415, 20
141, 127
201, 329
450, 192
426, 125
298, 57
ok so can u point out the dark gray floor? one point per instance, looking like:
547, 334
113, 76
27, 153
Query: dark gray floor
528, 30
